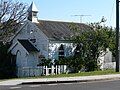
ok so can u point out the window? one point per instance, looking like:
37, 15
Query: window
77, 50
61, 52
34, 14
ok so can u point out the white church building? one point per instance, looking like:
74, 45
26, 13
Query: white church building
36, 39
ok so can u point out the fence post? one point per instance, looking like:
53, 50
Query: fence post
43, 70
52, 70
65, 68
58, 69
46, 70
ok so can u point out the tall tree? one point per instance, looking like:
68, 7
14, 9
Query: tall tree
93, 43
11, 15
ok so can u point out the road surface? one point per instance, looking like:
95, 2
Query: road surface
96, 85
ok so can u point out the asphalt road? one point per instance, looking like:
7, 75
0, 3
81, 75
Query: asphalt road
101, 85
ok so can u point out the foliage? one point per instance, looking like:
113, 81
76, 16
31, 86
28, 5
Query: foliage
89, 46
7, 64
92, 44
108, 34
45, 62
62, 61
74, 63
12, 14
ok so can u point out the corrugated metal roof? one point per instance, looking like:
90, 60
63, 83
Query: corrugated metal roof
56, 30
27, 45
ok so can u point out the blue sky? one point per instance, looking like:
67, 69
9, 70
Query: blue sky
63, 10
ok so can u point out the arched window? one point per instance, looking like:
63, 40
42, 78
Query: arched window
18, 59
61, 52
77, 50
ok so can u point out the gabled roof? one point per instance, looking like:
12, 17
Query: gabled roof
56, 30
27, 45
32, 8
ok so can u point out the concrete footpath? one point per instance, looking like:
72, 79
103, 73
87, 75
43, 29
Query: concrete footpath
60, 80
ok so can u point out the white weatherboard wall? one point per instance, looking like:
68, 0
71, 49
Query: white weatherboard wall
21, 53
31, 31
32, 59
22, 33
41, 40
24, 59
54, 47
29, 59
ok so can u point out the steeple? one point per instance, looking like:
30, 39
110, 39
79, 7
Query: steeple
32, 13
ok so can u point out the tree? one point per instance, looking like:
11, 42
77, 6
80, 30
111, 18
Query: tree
12, 14
45, 62
93, 43
108, 33
7, 62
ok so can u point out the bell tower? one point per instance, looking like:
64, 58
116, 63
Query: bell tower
32, 13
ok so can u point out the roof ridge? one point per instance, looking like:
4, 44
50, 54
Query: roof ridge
61, 21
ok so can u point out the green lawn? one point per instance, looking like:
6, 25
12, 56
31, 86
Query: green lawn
105, 72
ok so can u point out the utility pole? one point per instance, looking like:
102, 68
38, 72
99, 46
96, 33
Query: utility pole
81, 17
117, 36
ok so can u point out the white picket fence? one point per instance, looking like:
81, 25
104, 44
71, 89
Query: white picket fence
41, 70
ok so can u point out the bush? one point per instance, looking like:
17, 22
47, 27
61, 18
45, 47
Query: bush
77, 63
7, 62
